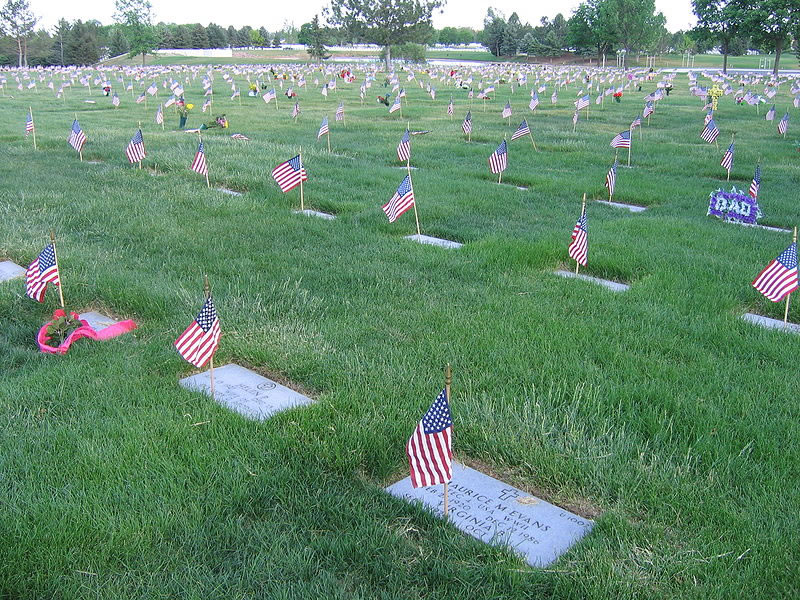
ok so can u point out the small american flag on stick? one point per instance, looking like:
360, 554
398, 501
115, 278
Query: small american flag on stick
429, 449
40, 272
199, 341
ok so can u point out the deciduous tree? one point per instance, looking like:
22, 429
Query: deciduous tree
17, 21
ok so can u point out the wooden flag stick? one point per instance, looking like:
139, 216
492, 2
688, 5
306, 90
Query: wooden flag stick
583, 211
55, 258
80, 152
416, 216
630, 143
448, 379
140, 128
329, 140
300, 159
788, 296
532, 142
207, 291
34, 127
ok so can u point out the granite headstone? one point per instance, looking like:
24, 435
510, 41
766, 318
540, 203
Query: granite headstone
246, 392
500, 514
10, 270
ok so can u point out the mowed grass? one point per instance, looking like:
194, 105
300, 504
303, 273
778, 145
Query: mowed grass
658, 412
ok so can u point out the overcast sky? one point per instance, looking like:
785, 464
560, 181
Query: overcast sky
272, 15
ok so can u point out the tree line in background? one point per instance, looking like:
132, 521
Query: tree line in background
403, 29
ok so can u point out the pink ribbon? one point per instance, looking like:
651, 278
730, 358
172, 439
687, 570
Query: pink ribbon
85, 330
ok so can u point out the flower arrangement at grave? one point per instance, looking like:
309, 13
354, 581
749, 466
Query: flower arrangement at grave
618, 96
58, 335
220, 121
735, 205
62, 326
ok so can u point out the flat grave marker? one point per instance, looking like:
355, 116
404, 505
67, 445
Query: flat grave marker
631, 207
612, 285
314, 213
229, 192
10, 270
768, 323
500, 514
433, 241
246, 392
96, 320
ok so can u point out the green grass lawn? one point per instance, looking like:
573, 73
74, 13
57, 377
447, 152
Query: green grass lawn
658, 412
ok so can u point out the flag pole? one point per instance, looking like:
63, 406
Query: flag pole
80, 152
55, 258
300, 157
630, 143
788, 296
34, 127
140, 160
208, 184
161, 110
416, 216
448, 379
329, 140
207, 291
530, 133
583, 211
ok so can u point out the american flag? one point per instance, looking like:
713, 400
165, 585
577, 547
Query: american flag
756, 183
710, 132
396, 105
402, 200
611, 179
236, 93
522, 130
141, 98
270, 95
153, 89
770, 116
76, 137
296, 110
780, 276
323, 129
727, 159
708, 117
507, 110
554, 97
209, 92
450, 108
29, 124
240, 136
579, 248
199, 163
288, 175
159, 115
135, 150
575, 118
467, 124
534, 101
115, 100
40, 272
340, 112
582, 102
404, 147
622, 140
206, 105
498, 161
429, 449
200, 340
636, 123
648, 110
170, 101
324, 91
783, 125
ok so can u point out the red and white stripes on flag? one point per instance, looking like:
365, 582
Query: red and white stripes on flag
402, 200
135, 150
199, 164
498, 161
288, 175
727, 159
200, 340
611, 179
40, 272
779, 277
404, 147
430, 447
